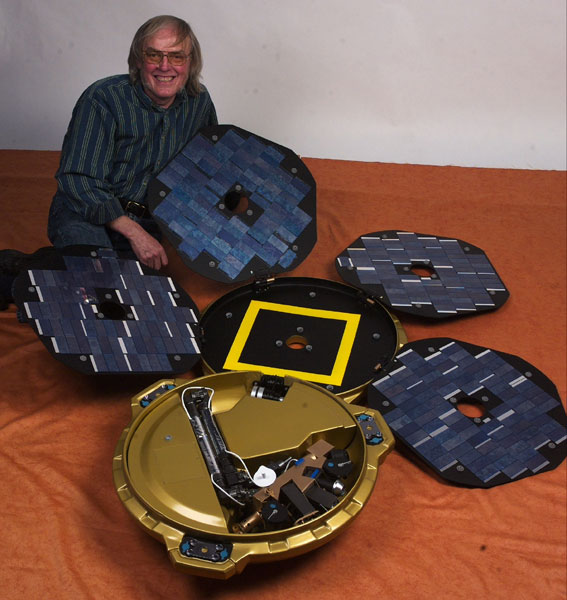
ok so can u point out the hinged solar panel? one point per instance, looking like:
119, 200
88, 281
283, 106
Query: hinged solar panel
425, 275
235, 205
518, 429
100, 313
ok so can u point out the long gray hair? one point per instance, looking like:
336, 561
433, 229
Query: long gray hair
184, 31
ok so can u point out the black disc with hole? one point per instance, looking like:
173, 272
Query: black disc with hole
100, 313
317, 330
236, 206
477, 416
425, 275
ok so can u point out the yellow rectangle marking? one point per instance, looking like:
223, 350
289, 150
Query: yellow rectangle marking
345, 348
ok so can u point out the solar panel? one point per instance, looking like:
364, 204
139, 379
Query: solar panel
424, 275
100, 313
235, 205
520, 426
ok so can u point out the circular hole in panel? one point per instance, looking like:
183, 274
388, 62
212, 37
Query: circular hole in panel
422, 270
236, 202
112, 310
296, 342
471, 408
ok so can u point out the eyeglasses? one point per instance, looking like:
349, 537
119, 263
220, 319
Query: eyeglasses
155, 57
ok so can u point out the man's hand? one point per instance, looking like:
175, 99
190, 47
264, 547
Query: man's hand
148, 250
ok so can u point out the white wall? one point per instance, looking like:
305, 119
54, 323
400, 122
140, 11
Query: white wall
462, 82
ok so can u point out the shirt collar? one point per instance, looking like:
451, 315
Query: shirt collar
147, 101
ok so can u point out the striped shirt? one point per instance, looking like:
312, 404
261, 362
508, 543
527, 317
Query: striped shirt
118, 140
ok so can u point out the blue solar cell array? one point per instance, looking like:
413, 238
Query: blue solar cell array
418, 398
199, 179
148, 325
463, 281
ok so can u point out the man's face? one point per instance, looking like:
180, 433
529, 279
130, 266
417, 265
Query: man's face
162, 82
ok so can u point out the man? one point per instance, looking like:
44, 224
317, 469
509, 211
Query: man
125, 129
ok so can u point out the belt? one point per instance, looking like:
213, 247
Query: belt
135, 208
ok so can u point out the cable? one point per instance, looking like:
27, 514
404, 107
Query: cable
225, 492
289, 461
196, 388
242, 463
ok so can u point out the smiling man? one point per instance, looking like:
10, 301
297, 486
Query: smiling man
124, 129
164, 69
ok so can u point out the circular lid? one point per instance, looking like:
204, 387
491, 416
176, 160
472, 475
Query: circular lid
185, 467
321, 331
235, 205
424, 275
100, 313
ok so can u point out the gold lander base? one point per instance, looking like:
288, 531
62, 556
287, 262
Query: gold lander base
238, 467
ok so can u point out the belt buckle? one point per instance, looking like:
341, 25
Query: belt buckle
135, 208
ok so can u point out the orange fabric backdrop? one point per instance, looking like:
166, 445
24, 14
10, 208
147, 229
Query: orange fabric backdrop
65, 534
